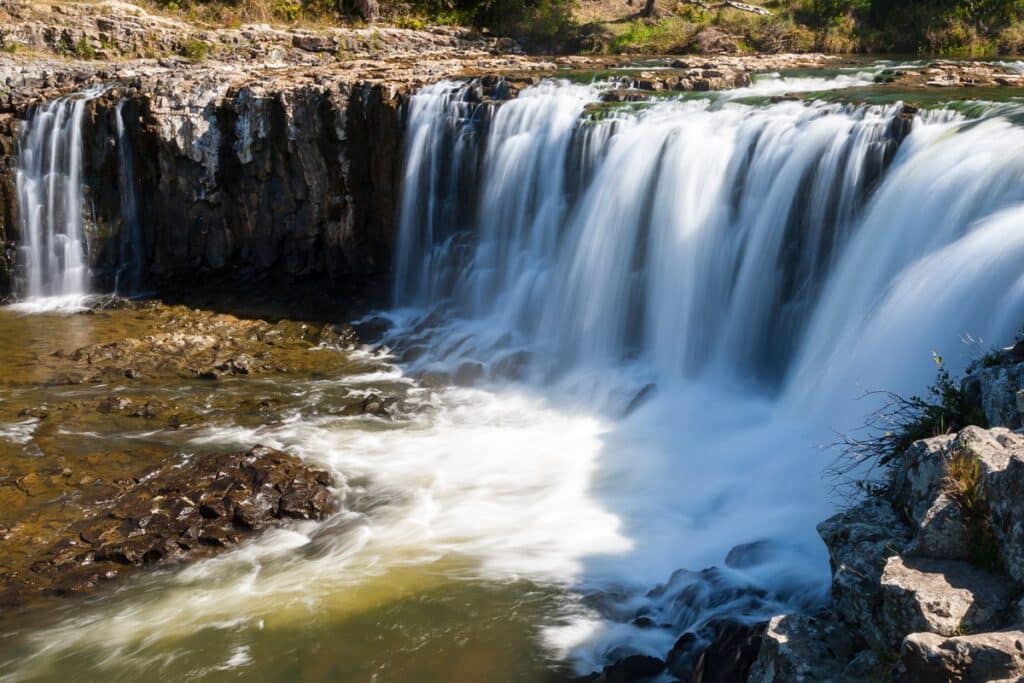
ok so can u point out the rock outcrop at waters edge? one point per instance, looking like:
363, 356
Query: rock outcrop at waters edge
277, 153
927, 574
926, 580
927, 577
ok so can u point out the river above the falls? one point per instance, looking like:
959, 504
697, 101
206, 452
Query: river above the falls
622, 339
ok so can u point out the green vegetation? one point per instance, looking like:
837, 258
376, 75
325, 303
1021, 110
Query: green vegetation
963, 483
946, 408
956, 28
82, 48
194, 50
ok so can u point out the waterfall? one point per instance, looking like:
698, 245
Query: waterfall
52, 256
128, 277
689, 238
747, 271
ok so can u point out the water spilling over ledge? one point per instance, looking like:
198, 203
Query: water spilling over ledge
49, 186
665, 311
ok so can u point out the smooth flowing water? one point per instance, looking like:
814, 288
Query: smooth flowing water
668, 312
51, 257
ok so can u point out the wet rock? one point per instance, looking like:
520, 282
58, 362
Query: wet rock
114, 404
981, 658
632, 669
731, 654
468, 374
941, 596
177, 512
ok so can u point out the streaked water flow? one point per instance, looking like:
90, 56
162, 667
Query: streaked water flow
51, 258
668, 308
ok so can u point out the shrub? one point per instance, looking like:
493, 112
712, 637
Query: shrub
890, 430
1010, 40
194, 50
286, 10
82, 48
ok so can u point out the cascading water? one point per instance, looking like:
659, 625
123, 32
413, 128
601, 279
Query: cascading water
760, 266
747, 270
52, 256
687, 238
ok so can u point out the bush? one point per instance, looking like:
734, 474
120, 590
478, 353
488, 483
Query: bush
286, 10
194, 50
82, 48
890, 430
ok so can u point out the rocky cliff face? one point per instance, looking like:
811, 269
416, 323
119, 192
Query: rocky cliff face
253, 180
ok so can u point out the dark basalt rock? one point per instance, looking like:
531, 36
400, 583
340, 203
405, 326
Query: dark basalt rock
179, 512
631, 669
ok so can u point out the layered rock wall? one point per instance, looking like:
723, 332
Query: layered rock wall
297, 180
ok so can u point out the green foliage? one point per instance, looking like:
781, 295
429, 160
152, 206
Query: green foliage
666, 36
82, 48
286, 10
955, 28
194, 50
947, 407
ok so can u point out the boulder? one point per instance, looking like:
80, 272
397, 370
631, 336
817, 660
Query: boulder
943, 532
1001, 458
921, 476
859, 542
995, 389
798, 649
982, 658
922, 487
730, 655
945, 597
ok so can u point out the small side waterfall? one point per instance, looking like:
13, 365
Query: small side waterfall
52, 257
128, 277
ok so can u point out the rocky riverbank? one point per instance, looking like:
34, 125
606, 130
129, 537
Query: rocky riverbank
927, 572
102, 473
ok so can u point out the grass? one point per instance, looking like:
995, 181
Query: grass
667, 36
963, 483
